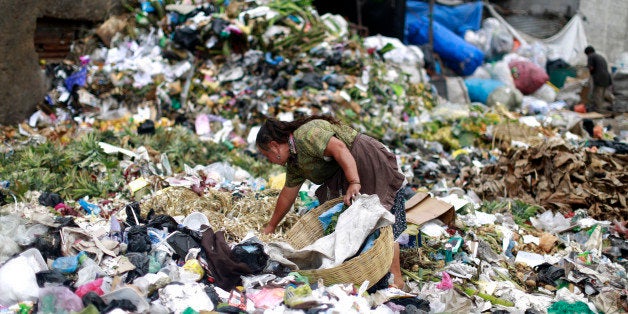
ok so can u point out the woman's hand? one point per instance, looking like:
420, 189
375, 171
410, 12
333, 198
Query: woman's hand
352, 191
268, 229
284, 202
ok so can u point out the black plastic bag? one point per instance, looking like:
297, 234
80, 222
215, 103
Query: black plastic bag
93, 298
141, 262
182, 243
252, 254
187, 38
133, 214
53, 276
310, 79
49, 245
138, 239
163, 221
146, 127
49, 199
125, 305
548, 273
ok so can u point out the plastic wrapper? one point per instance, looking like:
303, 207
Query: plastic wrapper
92, 286
178, 297
89, 271
445, 283
550, 222
58, 300
268, 298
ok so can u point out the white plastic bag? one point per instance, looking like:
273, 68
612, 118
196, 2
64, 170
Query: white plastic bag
18, 282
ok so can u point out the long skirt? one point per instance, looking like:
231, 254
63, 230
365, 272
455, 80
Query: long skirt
379, 174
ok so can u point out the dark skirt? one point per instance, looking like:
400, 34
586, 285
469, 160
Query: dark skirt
379, 174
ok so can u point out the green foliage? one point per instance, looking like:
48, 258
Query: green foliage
81, 168
520, 210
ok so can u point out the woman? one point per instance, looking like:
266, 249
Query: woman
342, 161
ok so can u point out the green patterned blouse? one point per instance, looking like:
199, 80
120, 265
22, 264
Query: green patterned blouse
311, 140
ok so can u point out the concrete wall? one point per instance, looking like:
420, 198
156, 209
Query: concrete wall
606, 23
606, 26
536, 7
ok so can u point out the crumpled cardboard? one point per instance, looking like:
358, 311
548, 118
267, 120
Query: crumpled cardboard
422, 208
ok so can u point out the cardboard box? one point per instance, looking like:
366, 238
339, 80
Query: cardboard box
422, 208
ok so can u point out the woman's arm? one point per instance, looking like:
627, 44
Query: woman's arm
337, 149
284, 203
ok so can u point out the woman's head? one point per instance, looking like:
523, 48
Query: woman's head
272, 138
273, 130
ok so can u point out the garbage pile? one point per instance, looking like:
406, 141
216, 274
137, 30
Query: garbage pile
249, 61
556, 177
136, 185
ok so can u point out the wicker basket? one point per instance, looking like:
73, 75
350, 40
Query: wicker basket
371, 265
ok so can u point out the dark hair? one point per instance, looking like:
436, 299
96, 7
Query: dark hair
589, 49
279, 131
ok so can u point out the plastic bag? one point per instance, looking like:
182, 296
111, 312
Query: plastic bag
25, 237
480, 89
445, 283
51, 278
58, 300
252, 254
88, 272
549, 222
594, 243
326, 217
545, 92
501, 72
507, 96
528, 76
92, 286
18, 282
68, 264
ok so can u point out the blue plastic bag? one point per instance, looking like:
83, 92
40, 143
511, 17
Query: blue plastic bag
77, 78
68, 264
480, 89
91, 209
325, 218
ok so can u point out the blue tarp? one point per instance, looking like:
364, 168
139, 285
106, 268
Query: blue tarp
457, 19
450, 25
457, 54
